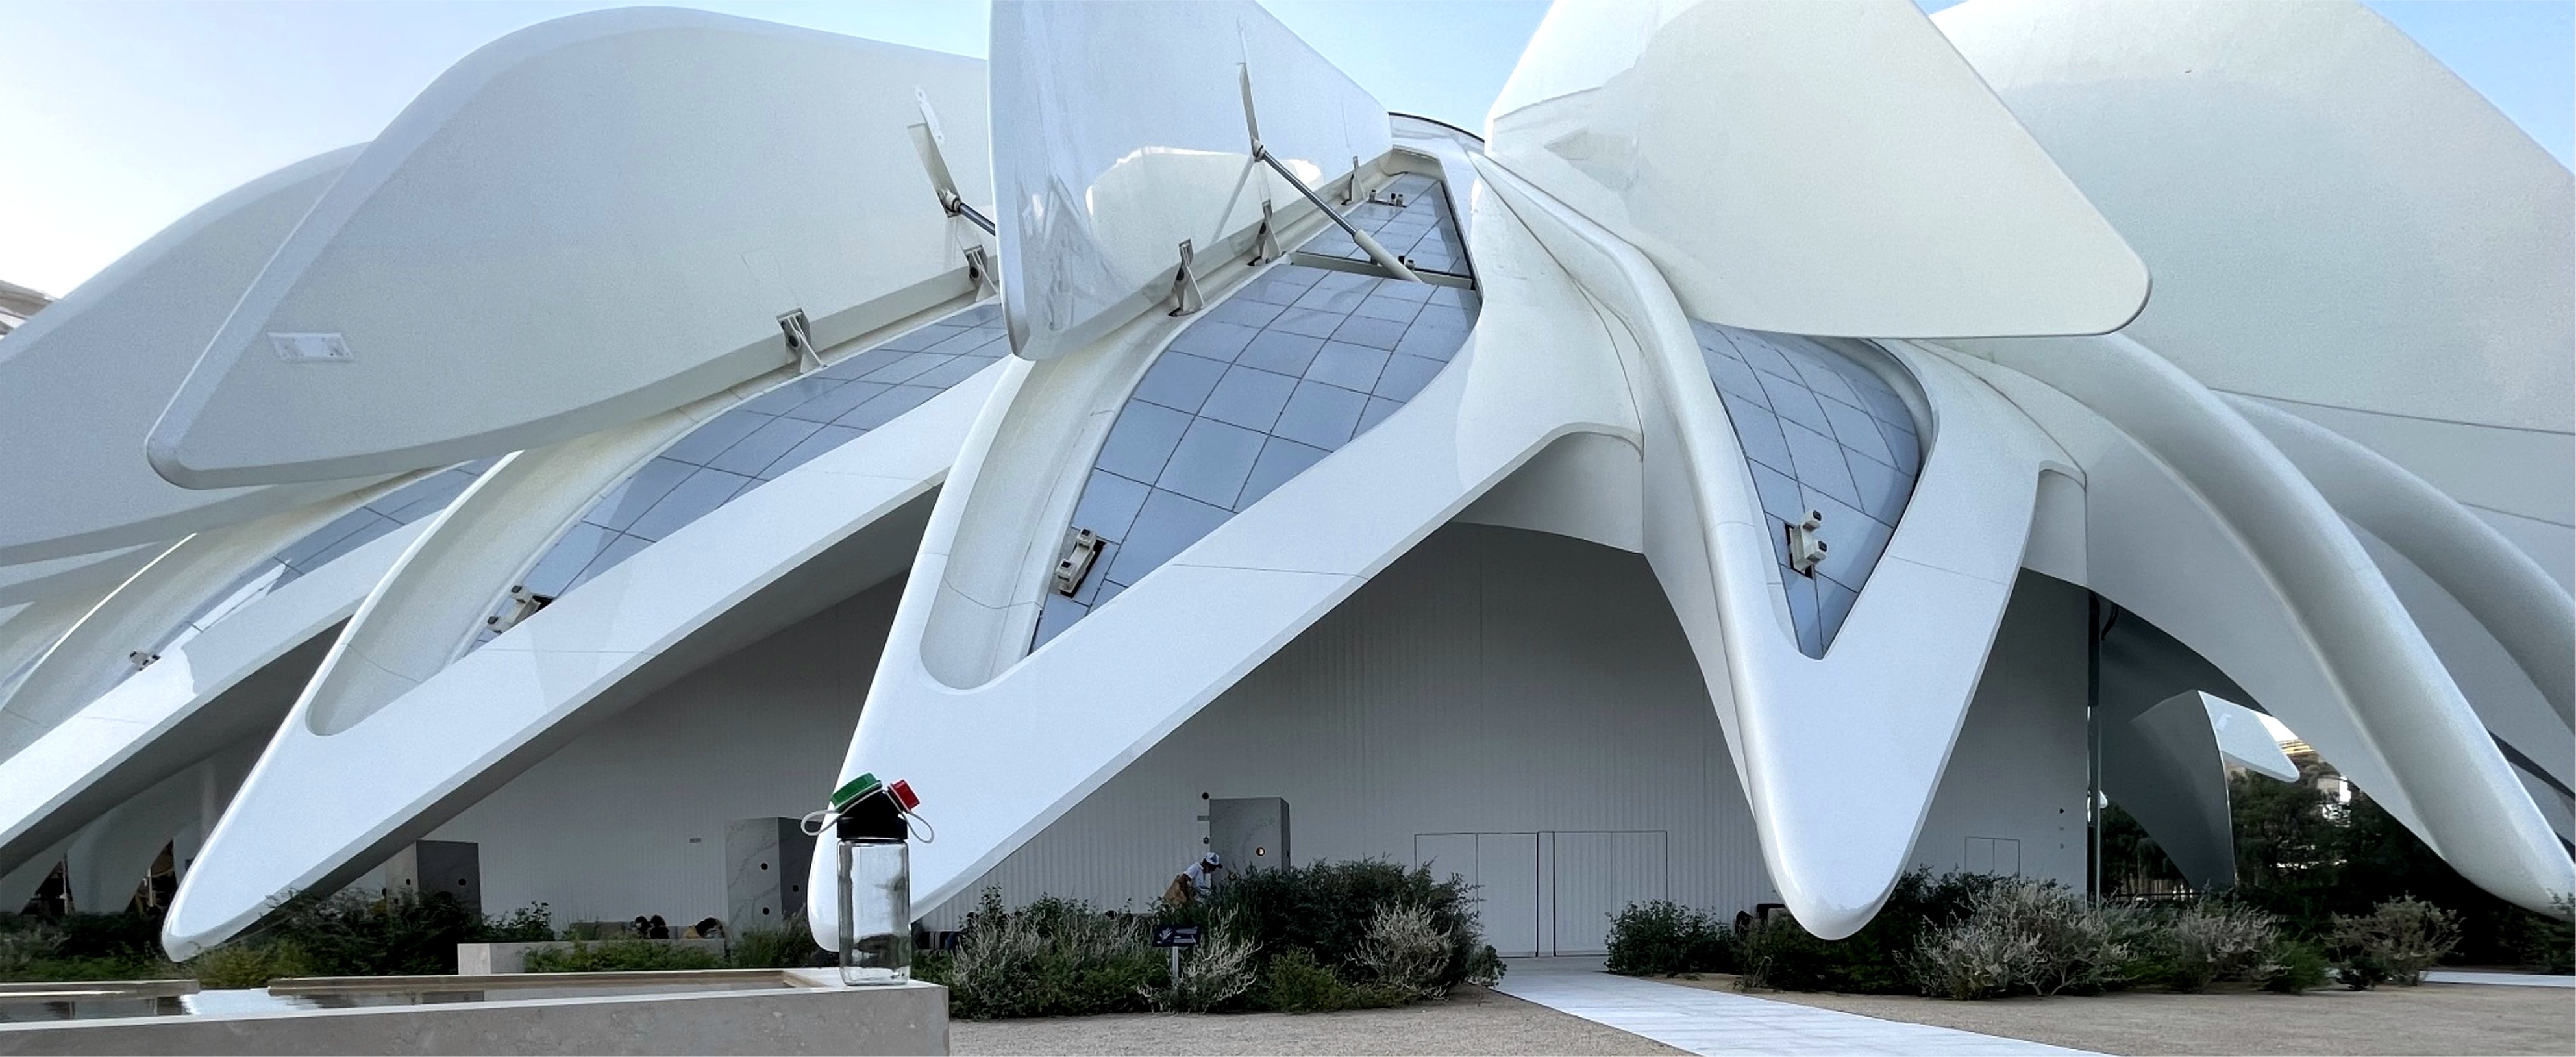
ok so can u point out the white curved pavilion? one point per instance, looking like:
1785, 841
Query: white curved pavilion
1736, 495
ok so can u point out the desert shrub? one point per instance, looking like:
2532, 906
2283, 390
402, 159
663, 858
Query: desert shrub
789, 946
2034, 936
1213, 975
1485, 968
1405, 952
2292, 966
240, 965
2401, 937
2196, 944
622, 956
1326, 909
1663, 938
1782, 955
1977, 957
1054, 957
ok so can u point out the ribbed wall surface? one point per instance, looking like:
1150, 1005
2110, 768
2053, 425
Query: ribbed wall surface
1493, 681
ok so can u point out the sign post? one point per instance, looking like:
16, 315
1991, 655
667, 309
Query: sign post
1176, 937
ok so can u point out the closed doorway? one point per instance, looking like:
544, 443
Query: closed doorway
1553, 891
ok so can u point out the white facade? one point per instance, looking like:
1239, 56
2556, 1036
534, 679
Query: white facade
1478, 531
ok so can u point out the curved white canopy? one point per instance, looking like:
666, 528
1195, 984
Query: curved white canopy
2333, 217
82, 381
1810, 169
1105, 165
585, 222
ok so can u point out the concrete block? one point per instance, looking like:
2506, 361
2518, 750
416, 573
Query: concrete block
765, 864
1250, 832
451, 866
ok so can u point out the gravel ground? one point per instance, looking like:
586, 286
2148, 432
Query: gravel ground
2432, 1019
1471, 1021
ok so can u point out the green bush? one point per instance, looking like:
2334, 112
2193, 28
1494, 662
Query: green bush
2293, 966
2549, 940
123, 946
2401, 937
1298, 983
239, 965
789, 946
1663, 938
630, 956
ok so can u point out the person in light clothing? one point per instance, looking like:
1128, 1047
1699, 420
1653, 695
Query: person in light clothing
1192, 884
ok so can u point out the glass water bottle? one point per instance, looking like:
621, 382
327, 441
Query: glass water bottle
876, 909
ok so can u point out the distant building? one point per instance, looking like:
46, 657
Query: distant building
17, 303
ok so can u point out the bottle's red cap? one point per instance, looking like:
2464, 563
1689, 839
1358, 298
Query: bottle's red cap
904, 795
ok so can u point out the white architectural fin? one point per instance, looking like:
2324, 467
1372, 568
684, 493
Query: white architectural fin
1103, 167
1808, 169
2246, 742
581, 224
89, 374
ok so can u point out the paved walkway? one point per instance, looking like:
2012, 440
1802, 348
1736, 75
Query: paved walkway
2472, 976
1714, 1022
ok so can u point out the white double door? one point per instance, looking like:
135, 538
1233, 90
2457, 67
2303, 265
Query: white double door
1551, 892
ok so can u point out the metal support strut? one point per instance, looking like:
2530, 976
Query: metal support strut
1185, 285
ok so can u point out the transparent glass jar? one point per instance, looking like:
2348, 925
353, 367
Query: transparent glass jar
876, 909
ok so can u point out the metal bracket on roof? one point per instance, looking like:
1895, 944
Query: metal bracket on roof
1260, 153
142, 659
1351, 189
979, 271
1185, 284
1806, 550
1080, 550
523, 604
800, 342
926, 141
1265, 244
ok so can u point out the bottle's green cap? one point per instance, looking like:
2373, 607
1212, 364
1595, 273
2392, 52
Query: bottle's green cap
850, 792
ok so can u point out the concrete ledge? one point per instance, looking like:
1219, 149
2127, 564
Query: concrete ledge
801, 1016
492, 959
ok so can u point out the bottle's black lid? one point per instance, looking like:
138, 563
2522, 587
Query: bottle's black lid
874, 817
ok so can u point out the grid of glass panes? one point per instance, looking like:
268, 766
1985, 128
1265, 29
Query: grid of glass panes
1258, 388
1820, 433
320, 547
760, 439
1423, 231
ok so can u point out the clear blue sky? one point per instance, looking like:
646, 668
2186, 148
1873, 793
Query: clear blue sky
123, 116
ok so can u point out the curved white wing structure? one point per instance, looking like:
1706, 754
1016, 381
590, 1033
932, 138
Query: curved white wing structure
1940, 477
1810, 169
103, 361
675, 180
218, 669
90, 573
2338, 227
1105, 168
334, 795
1780, 301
